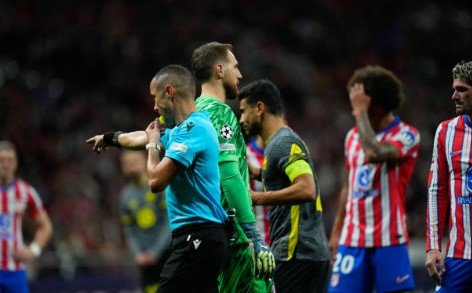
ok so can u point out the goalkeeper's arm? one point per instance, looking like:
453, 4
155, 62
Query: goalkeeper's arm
237, 195
236, 192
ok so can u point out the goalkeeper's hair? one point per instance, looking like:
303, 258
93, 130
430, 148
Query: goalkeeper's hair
206, 56
264, 91
5, 145
463, 71
181, 79
381, 85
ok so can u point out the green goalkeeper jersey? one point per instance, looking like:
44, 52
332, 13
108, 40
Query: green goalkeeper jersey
230, 138
238, 269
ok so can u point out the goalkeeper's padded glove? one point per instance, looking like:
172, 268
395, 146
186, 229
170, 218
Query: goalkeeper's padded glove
263, 258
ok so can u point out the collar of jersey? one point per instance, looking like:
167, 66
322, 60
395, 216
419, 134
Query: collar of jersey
8, 185
467, 121
392, 124
210, 97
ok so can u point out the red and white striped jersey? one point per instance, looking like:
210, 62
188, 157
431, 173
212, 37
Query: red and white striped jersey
255, 157
450, 188
15, 199
375, 208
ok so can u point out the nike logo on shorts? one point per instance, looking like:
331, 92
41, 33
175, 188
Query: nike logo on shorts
400, 280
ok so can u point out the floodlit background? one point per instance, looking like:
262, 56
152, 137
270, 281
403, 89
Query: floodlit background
72, 69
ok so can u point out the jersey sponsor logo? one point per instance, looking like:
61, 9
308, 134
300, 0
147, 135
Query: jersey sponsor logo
464, 200
5, 222
400, 280
227, 147
363, 186
178, 147
468, 177
226, 131
407, 137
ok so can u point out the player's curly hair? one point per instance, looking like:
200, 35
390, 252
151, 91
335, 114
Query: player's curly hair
381, 85
463, 71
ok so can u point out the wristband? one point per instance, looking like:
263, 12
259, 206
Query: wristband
35, 249
111, 139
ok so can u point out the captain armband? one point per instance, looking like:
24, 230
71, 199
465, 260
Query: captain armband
297, 168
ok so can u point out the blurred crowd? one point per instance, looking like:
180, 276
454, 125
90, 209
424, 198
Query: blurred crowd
70, 70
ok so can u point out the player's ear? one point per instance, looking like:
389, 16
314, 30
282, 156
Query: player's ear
260, 108
219, 70
170, 91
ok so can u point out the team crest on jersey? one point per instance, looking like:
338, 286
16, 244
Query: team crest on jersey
4, 222
226, 131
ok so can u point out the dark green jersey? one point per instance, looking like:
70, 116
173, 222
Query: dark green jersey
230, 137
296, 230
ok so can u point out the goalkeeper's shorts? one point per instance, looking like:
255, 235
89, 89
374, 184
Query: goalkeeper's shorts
238, 272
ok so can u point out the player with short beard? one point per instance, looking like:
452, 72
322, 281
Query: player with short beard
215, 66
292, 191
450, 189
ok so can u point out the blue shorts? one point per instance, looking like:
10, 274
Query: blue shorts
13, 282
359, 269
457, 277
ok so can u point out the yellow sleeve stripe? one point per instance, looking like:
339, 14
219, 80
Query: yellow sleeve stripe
319, 207
293, 237
297, 168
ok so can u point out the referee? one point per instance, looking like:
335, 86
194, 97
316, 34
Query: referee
189, 170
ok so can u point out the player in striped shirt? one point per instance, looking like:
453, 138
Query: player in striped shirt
450, 191
255, 158
16, 198
380, 154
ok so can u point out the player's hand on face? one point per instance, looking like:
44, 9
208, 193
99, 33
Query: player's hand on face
98, 143
152, 132
360, 101
433, 258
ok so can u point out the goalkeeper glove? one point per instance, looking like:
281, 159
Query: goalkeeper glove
263, 257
